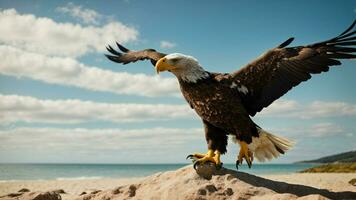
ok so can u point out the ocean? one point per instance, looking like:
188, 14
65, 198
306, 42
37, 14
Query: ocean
13, 172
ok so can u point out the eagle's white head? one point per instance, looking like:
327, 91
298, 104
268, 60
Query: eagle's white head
182, 66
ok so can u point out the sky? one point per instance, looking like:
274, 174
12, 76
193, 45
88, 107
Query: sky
62, 101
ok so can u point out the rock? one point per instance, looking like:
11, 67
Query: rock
32, 196
95, 191
24, 190
14, 194
229, 192
206, 170
201, 191
91, 191
59, 191
132, 190
117, 190
211, 188
353, 181
44, 196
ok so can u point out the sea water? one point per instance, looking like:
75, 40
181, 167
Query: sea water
12, 172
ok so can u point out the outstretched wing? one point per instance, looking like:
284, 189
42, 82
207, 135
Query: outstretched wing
280, 69
128, 56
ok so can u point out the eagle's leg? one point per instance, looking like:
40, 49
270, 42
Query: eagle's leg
245, 153
217, 158
210, 156
216, 139
199, 156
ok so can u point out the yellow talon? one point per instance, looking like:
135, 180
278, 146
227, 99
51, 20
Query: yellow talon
217, 157
245, 153
210, 156
198, 155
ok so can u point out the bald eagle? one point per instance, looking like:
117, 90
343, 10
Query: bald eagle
226, 101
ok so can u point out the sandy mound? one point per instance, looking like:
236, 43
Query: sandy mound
185, 183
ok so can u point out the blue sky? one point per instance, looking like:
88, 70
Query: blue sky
61, 100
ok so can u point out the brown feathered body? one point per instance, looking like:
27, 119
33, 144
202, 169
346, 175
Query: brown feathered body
216, 99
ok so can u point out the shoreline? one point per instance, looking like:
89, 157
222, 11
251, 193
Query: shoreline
23, 172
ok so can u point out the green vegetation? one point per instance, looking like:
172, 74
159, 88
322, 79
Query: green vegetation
340, 158
333, 168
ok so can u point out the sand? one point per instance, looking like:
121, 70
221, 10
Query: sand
331, 181
73, 188
185, 183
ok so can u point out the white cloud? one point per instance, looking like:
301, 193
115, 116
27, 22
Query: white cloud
280, 107
167, 44
45, 36
70, 72
16, 108
88, 16
100, 139
98, 145
315, 109
328, 109
325, 129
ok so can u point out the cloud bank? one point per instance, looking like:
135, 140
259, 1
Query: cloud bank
97, 145
68, 71
46, 36
100, 139
315, 109
16, 108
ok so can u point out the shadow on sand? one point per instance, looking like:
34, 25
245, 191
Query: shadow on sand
282, 187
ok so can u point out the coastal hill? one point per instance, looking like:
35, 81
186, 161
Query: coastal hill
337, 158
338, 163
185, 183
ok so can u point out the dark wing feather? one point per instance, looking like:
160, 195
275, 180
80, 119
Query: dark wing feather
280, 69
128, 56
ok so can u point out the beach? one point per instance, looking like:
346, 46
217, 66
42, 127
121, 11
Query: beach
72, 188
227, 184
331, 181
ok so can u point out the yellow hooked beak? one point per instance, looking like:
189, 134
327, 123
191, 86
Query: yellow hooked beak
162, 65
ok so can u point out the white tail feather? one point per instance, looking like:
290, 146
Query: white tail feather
268, 146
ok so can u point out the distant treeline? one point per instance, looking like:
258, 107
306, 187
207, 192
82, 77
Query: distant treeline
339, 158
